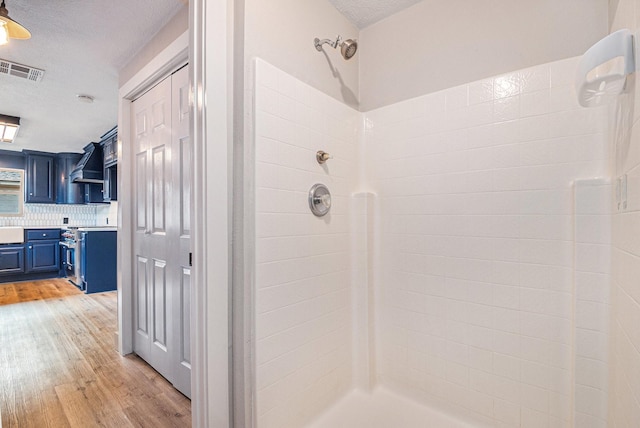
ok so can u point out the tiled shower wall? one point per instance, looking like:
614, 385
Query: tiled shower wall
302, 289
53, 215
624, 389
477, 242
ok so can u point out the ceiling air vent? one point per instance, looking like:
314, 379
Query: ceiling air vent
22, 71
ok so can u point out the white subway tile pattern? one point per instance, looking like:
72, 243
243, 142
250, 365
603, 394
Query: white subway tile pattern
302, 279
477, 243
39, 215
624, 358
592, 290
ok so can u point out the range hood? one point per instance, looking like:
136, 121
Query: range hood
89, 168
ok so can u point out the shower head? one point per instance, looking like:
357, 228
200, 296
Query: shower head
348, 47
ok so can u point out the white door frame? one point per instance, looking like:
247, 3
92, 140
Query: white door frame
211, 59
208, 47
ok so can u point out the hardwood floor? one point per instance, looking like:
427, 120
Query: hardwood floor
59, 366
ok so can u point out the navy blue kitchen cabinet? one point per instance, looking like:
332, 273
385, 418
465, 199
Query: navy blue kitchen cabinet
98, 266
37, 258
11, 259
43, 256
43, 250
93, 194
109, 143
11, 159
67, 191
40, 178
110, 187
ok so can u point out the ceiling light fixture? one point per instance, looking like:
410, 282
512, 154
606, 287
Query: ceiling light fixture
4, 34
9, 126
10, 29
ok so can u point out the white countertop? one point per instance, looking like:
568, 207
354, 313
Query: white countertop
98, 229
66, 226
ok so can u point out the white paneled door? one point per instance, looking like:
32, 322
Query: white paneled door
180, 231
161, 241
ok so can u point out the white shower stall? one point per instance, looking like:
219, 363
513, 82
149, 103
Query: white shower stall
463, 276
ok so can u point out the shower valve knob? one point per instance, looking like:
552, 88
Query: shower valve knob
322, 157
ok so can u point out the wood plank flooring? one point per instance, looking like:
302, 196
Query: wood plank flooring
59, 366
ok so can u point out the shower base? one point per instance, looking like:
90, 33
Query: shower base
383, 409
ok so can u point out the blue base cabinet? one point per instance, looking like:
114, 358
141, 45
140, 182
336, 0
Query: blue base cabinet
37, 258
11, 259
98, 251
43, 250
43, 256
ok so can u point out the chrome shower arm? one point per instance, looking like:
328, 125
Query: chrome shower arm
334, 44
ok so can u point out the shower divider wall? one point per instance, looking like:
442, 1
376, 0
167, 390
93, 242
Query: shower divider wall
363, 253
304, 311
448, 274
592, 289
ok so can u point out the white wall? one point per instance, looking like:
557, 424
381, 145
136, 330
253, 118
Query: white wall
477, 242
107, 215
165, 36
436, 44
282, 31
302, 287
624, 395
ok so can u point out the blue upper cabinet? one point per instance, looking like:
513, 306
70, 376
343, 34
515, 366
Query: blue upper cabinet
68, 192
40, 178
109, 143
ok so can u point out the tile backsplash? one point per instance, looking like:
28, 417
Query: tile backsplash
53, 215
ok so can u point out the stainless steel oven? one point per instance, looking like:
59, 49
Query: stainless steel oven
70, 262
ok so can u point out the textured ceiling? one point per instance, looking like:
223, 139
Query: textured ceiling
365, 12
81, 45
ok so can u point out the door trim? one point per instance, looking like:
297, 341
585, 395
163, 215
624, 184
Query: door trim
208, 47
212, 77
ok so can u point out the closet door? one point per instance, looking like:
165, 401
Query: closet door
180, 230
162, 238
151, 120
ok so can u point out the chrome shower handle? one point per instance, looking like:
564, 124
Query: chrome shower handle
325, 200
319, 200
